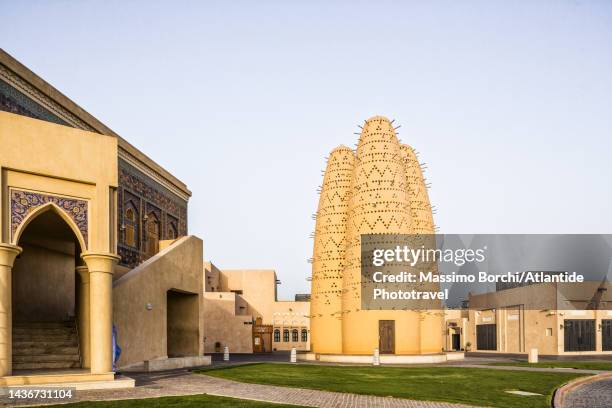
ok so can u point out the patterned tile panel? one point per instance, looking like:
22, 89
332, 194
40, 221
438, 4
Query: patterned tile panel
25, 202
150, 198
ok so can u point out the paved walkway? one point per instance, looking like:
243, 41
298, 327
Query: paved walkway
597, 394
184, 383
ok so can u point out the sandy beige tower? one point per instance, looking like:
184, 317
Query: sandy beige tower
378, 189
328, 260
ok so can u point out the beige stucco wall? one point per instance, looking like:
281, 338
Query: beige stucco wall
142, 332
224, 324
258, 288
211, 278
59, 160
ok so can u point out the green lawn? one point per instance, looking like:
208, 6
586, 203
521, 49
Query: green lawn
585, 365
475, 386
188, 401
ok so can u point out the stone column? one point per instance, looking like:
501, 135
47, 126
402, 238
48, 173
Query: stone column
101, 267
8, 253
84, 318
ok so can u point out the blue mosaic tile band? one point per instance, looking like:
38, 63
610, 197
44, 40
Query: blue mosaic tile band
11, 100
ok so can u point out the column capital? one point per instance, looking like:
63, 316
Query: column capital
83, 272
8, 253
100, 261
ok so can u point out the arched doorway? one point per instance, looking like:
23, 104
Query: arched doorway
44, 295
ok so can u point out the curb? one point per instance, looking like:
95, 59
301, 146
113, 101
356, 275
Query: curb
560, 393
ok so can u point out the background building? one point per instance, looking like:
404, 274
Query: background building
558, 319
243, 313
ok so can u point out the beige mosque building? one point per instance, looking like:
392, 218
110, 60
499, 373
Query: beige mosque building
93, 235
377, 189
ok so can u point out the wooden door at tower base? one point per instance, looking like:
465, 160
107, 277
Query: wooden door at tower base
386, 336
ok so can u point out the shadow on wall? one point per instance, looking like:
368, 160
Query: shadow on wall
157, 305
48, 260
182, 321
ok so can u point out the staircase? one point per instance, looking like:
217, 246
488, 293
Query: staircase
45, 346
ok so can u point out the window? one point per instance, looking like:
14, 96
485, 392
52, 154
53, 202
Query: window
285, 335
276, 336
579, 334
172, 231
294, 335
304, 335
131, 227
152, 228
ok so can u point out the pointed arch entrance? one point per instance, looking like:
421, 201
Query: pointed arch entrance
48, 300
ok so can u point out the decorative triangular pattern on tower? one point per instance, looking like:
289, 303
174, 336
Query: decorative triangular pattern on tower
377, 189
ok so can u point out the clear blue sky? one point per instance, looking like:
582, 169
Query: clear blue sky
509, 103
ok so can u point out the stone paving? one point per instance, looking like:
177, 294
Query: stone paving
184, 383
597, 394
